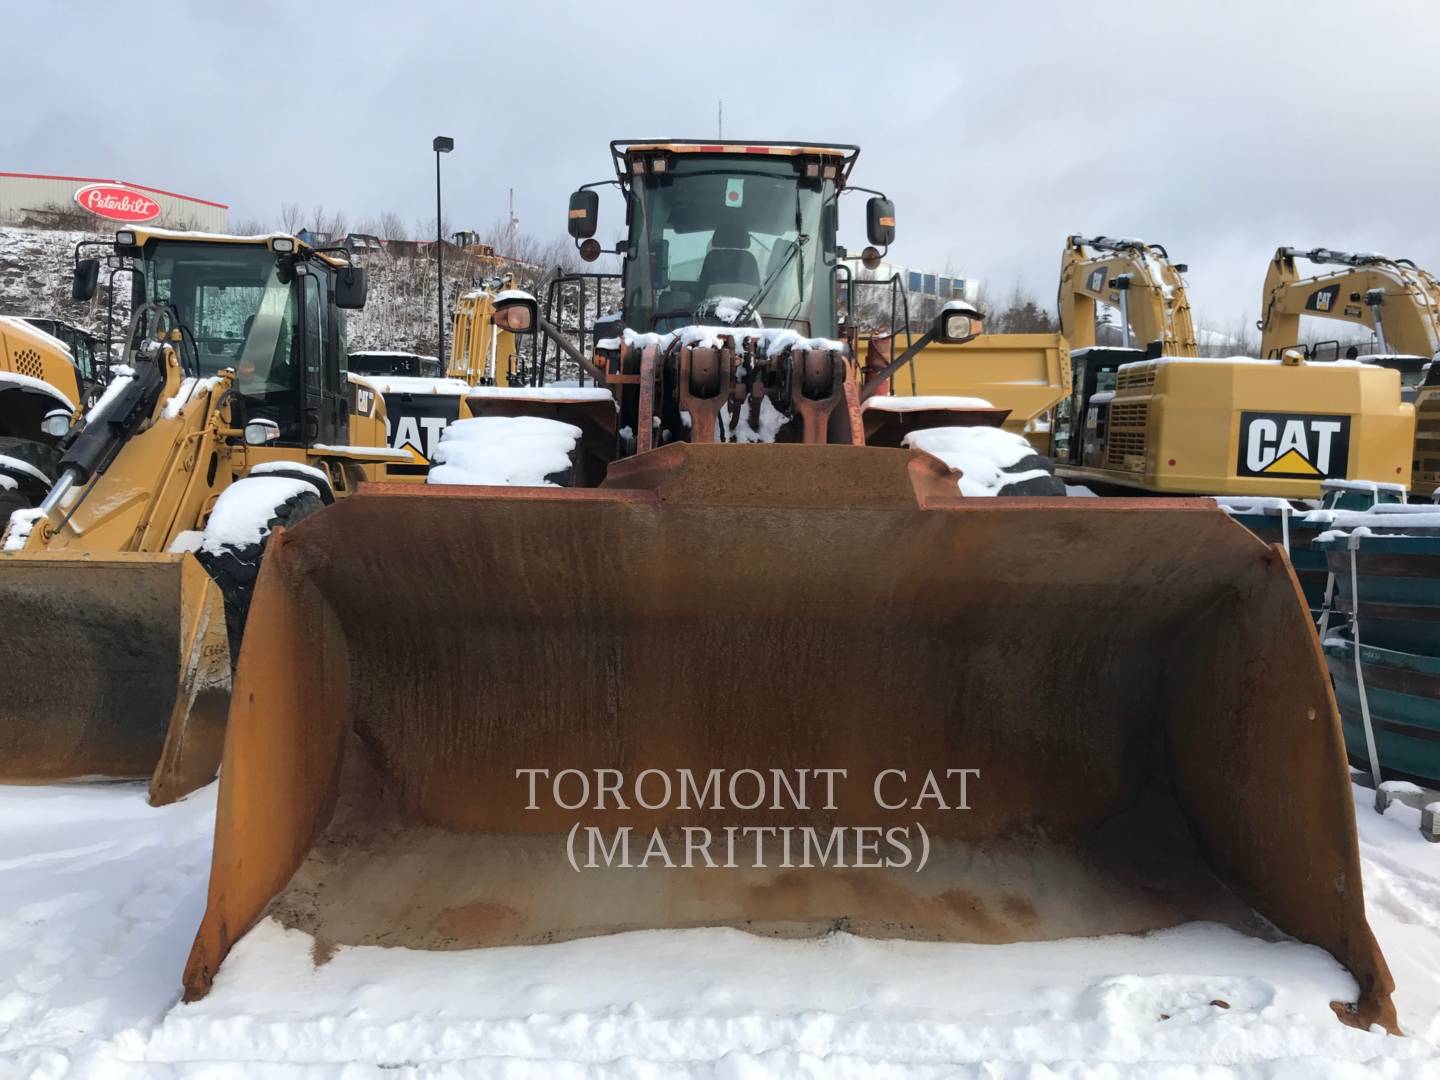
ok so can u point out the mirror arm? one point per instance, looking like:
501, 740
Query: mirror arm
566, 346
871, 388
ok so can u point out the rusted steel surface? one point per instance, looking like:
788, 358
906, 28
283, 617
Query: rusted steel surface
115, 666
1136, 681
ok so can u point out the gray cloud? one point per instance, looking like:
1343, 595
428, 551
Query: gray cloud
1220, 129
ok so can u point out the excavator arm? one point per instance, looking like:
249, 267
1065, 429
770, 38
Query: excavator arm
1136, 277
1393, 297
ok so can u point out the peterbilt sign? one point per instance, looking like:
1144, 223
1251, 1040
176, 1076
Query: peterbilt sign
118, 203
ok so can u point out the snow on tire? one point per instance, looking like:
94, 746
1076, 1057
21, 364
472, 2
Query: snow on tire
30, 465
237, 534
991, 460
507, 451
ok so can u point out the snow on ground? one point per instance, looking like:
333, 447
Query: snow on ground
100, 895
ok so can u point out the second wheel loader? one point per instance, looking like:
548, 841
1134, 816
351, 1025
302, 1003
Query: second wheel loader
125, 591
680, 701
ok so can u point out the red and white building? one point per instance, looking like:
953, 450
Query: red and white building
38, 198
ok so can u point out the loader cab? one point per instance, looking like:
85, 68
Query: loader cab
267, 309
730, 235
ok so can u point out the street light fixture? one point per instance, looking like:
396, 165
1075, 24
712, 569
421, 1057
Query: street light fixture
443, 144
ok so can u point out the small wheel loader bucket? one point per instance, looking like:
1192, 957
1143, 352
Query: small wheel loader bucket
786, 688
114, 665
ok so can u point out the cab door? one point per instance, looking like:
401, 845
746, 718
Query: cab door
327, 419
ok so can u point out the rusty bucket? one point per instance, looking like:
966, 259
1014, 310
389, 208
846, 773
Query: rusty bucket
1129, 691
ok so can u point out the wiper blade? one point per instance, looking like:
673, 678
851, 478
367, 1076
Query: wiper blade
754, 302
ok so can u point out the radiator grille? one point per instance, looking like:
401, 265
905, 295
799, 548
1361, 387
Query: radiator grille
1143, 379
27, 362
1126, 434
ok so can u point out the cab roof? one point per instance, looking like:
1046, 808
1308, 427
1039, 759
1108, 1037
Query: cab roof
144, 235
843, 153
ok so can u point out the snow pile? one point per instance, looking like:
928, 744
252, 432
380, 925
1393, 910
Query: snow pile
1394, 519
504, 451
416, 384
982, 454
186, 542
100, 895
770, 421
1255, 504
242, 513
22, 522
891, 403
544, 393
14, 380
768, 342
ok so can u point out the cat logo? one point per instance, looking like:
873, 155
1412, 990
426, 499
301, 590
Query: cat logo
1294, 446
364, 402
414, 423
1323, 299
1096, 281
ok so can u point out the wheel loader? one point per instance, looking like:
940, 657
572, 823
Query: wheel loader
753, 670
125, 591
1397, 302
1152, 416
41, 386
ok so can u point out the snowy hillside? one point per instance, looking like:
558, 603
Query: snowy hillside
100, 895
36, 267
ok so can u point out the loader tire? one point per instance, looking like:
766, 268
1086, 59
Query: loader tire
10, 501
235, 569
1047, 485
38, 456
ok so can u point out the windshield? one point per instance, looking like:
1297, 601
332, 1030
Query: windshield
231, 298
724, 239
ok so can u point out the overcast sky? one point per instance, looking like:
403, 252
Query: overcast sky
1220, 128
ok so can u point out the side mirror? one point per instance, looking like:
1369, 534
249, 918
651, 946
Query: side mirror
957, 323
880, 221
260, 432
516, 311
351, 287
584, 214
87, 279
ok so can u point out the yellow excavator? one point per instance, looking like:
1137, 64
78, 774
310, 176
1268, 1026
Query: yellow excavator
1396, 302
1135, 278
1158, 418
677, 701
125, 590
41, 388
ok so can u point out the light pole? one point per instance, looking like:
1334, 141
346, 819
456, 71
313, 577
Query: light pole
443, 145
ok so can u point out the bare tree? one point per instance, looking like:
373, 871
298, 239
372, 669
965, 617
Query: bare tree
290, 217
393, 227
